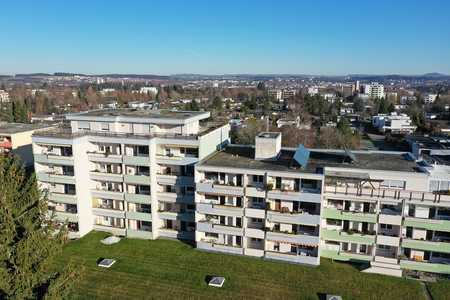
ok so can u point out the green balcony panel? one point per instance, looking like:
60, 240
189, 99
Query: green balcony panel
137, 179
425, 267
331, 213
344, 256
439, 225
334, 235
426, 245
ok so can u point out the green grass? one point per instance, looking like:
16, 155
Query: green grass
440, 290
172, 269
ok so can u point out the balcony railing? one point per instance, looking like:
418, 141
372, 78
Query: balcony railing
388, 193
67, 133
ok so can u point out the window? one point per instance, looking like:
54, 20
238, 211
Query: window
105, 126
212, 235
84, 125
255, 220
276, 246
386, 226
396, 184
258, 178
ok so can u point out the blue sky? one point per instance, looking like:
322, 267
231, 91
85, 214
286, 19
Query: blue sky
217, 37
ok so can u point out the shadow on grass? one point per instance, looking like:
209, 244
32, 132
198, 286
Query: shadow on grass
99, 260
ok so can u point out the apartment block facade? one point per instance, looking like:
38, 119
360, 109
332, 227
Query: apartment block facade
126, 172
170, 174
383, 208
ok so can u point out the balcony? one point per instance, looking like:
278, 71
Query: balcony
55, 178
174, 197
346, 193
136, 215
258, 192
176, 160
105, 194
219, 189
53, 159
62, 198
347, 237
393, 241
311, 196
113, 230
332, 213
425, 266
138, 198
303, 239
220, 229
63, 216
136, 160
170, 215
254, 233
212, 246
254, 252
165, 179
216, 209
430, 224
255, 213
345, 255
105, 158
103, 176
294, 258
176, 234
390, 219
293, 218
137, 179
107, 211
139, 234
426, 245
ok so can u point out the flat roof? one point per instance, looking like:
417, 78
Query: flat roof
242, 156
66, 132
269, 135
12, 128
144, 115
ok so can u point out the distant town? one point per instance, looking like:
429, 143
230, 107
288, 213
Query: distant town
304, 170
354, 111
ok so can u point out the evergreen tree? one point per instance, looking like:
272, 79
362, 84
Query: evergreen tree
261, 86
217, 104
19, 112
29, 240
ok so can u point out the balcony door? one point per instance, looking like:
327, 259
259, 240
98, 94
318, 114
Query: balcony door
277, 204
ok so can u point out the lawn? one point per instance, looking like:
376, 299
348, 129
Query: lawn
172, 269
440, 290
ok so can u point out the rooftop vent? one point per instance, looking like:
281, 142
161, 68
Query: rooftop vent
267, 145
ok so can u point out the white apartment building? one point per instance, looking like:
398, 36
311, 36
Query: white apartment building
429, 98
313, 90
394, 123
127, 172
381, 208
131, 173
4, 96
148, 90
374, 90
275, 93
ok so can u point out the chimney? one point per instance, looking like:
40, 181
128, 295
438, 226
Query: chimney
267, 145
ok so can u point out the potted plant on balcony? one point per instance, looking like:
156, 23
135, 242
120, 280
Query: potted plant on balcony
269, 186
